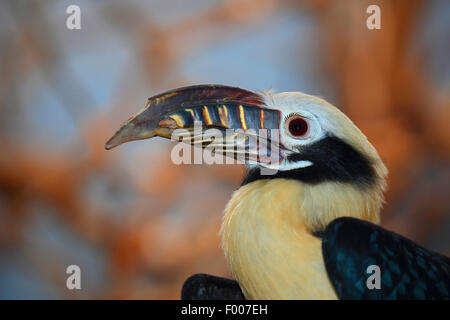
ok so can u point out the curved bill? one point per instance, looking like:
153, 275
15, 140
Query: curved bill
211, 106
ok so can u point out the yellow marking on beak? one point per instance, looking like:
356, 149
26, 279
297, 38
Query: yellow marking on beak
178, 120
147, 105
223, 115
165, 97
242, 117
206, 116
169, 95
191, 112
262, 116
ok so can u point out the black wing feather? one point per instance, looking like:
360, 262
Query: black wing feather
206, 287
408, 271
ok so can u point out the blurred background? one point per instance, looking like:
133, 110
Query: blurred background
138, 225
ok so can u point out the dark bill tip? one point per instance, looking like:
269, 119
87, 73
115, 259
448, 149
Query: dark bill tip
130, 131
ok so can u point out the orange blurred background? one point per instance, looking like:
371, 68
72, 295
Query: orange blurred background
138, 225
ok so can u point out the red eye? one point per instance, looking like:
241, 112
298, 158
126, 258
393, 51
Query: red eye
298, 127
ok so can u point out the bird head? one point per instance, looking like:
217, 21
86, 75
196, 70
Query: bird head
299, 135
293, 135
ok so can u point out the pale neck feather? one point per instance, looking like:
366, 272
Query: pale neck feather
267, 240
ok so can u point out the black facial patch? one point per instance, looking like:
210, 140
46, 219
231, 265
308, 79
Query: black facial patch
333, 160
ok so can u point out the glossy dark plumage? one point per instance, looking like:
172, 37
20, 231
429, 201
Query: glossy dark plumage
408, 271
206, 287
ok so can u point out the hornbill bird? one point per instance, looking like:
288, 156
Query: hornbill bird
307, 229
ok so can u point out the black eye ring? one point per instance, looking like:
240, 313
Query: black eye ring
298, 127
